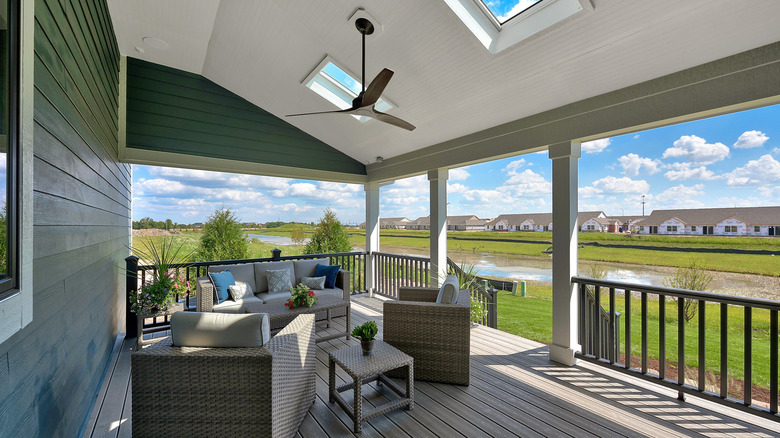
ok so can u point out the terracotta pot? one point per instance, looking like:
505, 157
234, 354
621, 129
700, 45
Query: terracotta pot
368, 347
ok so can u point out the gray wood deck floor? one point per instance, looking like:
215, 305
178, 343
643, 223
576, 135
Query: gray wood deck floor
515, 391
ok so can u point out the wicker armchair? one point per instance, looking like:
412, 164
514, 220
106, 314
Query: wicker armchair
207, 392
437, 336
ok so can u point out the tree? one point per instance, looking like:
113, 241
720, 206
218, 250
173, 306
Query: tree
692, 277
298, 234
329, 237
222, 237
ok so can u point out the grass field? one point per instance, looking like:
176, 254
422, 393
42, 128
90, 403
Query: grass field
190, 242
532, 244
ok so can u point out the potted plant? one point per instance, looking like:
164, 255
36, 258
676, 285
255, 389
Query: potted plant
301, 296
366, 333
163, 286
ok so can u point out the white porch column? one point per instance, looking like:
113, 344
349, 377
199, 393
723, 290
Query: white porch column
438, 179
372, 232
564, 197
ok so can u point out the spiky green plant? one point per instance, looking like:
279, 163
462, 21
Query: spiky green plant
366, 332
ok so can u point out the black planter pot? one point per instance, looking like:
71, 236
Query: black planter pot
368, 347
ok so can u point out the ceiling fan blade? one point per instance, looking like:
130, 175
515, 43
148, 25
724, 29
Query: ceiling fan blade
376, 87
322, 112
393, 120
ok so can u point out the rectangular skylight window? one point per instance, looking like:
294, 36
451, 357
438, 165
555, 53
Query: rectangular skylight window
505, 10
339, 87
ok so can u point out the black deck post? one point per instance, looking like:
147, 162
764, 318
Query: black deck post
131, 287
276, 254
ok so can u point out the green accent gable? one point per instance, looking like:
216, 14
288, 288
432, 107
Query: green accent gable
170, 110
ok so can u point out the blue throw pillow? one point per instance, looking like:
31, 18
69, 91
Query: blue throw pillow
329, 271
222, 281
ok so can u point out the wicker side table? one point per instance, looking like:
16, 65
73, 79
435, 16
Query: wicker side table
366, 369
178, 307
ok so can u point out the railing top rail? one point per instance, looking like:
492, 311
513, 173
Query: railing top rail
737, 300
260, 260
401, 256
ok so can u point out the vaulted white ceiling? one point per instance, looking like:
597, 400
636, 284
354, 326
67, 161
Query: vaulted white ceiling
446, 82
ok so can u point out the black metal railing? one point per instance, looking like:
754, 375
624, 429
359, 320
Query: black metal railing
599, 333
482, 297
711, 318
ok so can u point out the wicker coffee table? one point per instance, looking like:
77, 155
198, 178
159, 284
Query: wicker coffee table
366, 369
279, 315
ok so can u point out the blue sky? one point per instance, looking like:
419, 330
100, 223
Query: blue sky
725, 161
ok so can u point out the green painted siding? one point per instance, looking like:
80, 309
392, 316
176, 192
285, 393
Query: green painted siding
82, 198
170, 110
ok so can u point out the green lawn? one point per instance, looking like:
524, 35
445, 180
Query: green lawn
531, 317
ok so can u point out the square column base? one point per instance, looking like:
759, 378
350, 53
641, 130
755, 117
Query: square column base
562, 355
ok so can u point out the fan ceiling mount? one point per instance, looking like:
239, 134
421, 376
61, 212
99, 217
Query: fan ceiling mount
363, 104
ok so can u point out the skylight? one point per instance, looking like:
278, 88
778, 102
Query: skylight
339, 87
500, 24
505, 10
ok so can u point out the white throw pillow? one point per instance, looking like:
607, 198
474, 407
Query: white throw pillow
448, 294
314, 283
278, 280
240, 290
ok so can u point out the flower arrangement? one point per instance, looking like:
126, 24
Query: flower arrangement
301, 296
156, 295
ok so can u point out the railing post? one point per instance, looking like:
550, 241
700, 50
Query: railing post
493, 309
131, 287
276, 254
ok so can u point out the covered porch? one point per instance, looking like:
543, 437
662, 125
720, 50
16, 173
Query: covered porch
515, 390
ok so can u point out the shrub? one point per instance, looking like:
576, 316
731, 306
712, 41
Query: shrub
692, 277
329, 236
222, 237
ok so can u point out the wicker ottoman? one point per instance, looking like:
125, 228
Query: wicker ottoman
366, 369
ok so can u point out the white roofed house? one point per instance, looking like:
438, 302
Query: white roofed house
755, 221
92, 88
394, 223
466, 223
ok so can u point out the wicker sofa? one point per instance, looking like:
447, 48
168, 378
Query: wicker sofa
231, 392
254, 274
437, 336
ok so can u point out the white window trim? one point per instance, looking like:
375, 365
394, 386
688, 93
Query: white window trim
16, 311
532, 21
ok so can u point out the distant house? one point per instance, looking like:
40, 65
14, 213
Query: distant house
738, 221
454, 223
393, 223
588, 220
627, 223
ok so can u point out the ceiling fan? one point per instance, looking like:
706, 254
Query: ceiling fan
363, 104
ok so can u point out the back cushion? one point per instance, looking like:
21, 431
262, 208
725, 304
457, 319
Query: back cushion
196, 329
450, 289
244, 273
305, 268
260, 273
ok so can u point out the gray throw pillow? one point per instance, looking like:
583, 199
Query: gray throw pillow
278, 280
314, 283
240, 290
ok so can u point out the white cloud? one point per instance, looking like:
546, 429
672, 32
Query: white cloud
769, 194
611, 184
697, 150
526, 183
459, 174
765, 170
633, 163
487, 197
456, 188
589, 192
513, 166
751, 139
596, 146
681, 192
775, 151
684, 171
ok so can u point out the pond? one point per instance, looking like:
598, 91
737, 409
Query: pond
520, 268
275, 240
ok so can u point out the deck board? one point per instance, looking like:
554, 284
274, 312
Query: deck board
515, 390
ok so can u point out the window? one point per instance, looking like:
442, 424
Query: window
526, 227
9, 148
693, 228
591, 228
671, 229
339, 87
757, 229
730, 228
641, 228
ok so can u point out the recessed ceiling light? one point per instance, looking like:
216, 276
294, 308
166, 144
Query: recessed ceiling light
155, 42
